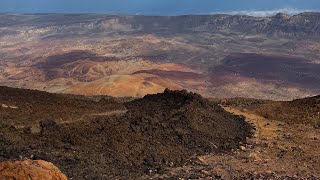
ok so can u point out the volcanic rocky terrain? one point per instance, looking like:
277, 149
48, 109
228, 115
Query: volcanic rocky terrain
299, 111
105, 138
171, 134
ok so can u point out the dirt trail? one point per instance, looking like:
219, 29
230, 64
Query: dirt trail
265, 128
276, 150
36, 127
109, 113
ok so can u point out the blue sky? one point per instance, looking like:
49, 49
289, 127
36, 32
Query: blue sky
160, 7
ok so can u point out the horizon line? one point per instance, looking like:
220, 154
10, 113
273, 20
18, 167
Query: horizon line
231, 13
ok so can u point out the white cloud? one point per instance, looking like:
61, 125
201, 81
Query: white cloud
263, 13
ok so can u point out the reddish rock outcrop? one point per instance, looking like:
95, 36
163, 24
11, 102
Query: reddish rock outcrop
30, 170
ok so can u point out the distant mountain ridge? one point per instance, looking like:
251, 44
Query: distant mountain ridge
281, 25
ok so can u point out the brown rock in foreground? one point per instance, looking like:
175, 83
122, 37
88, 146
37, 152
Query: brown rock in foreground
28, 169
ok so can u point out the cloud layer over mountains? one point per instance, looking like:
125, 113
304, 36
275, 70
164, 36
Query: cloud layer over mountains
264, 13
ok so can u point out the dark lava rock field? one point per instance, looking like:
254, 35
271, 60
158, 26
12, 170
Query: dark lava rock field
155, 133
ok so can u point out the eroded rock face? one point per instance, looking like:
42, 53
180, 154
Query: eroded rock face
30, 170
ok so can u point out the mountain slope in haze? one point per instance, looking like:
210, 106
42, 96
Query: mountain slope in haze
119, 55
301, 25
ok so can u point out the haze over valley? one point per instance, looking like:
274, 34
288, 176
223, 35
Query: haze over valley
120, 55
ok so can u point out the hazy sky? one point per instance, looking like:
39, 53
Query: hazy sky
160, 7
